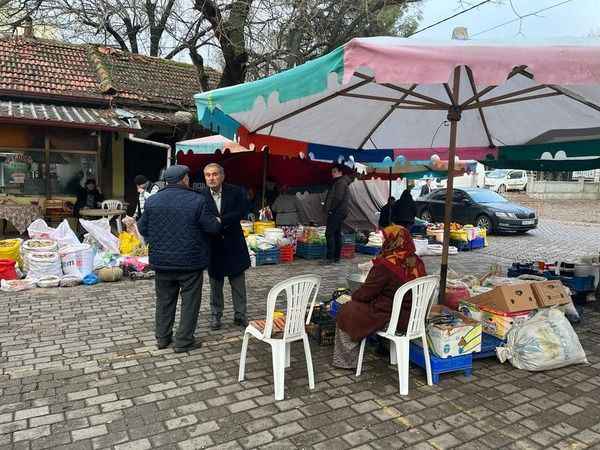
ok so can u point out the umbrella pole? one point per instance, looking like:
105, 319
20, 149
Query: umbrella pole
264, 177
389, 198
454, 113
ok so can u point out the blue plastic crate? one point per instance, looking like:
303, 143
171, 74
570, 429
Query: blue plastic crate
462, 363
477, 243
264, 257
311, 251
577, 284
488, 346
461, 246
420, 229
367, 249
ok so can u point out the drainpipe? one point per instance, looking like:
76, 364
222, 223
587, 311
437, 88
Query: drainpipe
133, 138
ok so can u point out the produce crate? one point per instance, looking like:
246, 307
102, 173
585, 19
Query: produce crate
286, 254
311, 251
322, 327
348, 238
264, 257
477, 243
488, 346
576, 284
348, 251
367, 250
440, 365
461, 246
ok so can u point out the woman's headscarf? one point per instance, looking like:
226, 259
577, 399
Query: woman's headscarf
398, 254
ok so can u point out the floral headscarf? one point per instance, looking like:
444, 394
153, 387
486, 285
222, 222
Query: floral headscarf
398, 254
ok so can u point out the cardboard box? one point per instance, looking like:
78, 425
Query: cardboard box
507, 298
496, 323
550, 293
447, 340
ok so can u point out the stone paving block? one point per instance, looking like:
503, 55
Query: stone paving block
141, 444
256, 439
32, 412
332, 444
30, 434
88, 433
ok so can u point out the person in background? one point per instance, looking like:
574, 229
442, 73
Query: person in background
426, 188
385, 213
271, 191
284, 207
229, 252
73, 186
253, 203
337, 206
145, 189
176, 223
404, 210
88, 197
371, 306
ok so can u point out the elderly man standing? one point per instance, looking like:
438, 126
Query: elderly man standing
175, 223
229, 252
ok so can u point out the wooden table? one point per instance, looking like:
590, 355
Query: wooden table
20, 216
101, 212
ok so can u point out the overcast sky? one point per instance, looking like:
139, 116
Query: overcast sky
573, 19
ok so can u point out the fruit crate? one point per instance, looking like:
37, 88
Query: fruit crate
477, 243
311, 251
461, 246
439, 366
367, 250
286, 254
264, 257
348, 251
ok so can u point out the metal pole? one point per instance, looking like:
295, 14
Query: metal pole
264, 177
389, 198
453, 117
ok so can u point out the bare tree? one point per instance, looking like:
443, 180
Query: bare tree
16, 13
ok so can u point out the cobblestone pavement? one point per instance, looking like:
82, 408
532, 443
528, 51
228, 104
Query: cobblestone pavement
574, 211
79, 369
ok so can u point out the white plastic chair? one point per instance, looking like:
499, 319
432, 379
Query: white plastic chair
114, 204
423, 292
299, 291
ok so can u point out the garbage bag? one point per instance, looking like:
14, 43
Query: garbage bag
546, 341
100, 231
63, 234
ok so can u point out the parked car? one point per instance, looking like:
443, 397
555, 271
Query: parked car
501, 181
480, 207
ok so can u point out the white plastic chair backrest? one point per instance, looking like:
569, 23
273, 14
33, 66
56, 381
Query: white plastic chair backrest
298, 291
112, 204
423, 290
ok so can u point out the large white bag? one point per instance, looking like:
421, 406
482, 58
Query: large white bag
43, 264
546, 341
62, 234
100, 231
77, 260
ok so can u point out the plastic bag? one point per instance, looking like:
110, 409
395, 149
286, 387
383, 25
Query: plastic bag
90, 279
62, 234
546, 341
100, 231
105, 259
128, 243
16, 285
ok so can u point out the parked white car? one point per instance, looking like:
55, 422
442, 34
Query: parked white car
501, 180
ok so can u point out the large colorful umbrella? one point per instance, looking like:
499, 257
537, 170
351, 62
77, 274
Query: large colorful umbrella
407, 98
210, 144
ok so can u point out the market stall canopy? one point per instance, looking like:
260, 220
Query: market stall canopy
549, 157
210, 144
391, 96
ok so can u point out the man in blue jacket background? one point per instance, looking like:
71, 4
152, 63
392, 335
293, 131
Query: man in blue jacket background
176, 223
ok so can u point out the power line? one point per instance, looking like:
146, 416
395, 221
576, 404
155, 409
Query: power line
448, 18
522, 17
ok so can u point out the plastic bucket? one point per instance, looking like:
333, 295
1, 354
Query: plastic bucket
7, 269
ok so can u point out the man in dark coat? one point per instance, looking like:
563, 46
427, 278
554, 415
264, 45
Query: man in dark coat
229, 252
337, 206
88, 197
426, 188
176, 223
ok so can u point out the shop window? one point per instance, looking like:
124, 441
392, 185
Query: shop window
22, 173
69, 171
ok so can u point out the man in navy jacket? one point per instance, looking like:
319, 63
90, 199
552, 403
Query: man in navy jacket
176, 223
229, 252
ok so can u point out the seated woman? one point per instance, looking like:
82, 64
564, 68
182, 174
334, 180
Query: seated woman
371, 306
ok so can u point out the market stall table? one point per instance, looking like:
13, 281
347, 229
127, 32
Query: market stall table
101, 212
20, 216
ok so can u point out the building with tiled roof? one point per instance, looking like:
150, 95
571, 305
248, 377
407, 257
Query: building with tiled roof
94, 102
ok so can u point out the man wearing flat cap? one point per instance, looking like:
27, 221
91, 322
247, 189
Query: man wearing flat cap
176, 223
